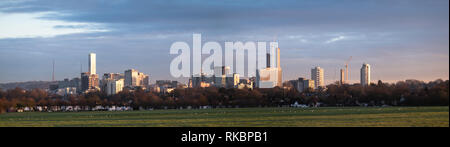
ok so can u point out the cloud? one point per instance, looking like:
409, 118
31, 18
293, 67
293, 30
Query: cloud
29, 25
336, 39
138, 33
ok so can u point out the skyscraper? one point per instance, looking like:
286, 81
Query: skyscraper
89, 80
279, 81
342, 81
317, 76
92, 63
365, 74
271, 76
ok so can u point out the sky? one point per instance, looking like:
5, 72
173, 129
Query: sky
400, 39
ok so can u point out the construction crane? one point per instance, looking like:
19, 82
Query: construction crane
346, 69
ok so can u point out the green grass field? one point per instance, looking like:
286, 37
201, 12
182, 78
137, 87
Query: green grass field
239, 117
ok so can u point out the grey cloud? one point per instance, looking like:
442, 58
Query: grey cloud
141, 32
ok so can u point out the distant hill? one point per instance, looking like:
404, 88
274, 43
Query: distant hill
27, 85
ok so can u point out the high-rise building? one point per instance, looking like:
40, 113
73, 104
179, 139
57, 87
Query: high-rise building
73, 83
108, 78
232, 80
267, 78
195, 81
317, 76
135, 78
143, 79
365, 74
92, 63
89, 81
304, 84
221, 70
342, 79
220, 76
280, 74
308, 84
113, 76
131, 77
293, 83
114, 86
201, 81
272, 75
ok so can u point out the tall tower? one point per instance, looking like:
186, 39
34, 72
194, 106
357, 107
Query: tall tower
92, 63
344, 74
271, 76
365, 74
342, 81
280, 75
317, 76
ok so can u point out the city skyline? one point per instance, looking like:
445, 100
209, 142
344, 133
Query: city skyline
405, 43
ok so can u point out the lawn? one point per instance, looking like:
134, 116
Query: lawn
239, 117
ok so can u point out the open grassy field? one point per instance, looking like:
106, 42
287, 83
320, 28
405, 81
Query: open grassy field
239, 117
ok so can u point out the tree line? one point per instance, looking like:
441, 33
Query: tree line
403, 93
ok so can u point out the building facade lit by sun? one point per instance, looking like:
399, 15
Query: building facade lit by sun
89, 80
365, 74
317, 76
92, 63
271, 76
